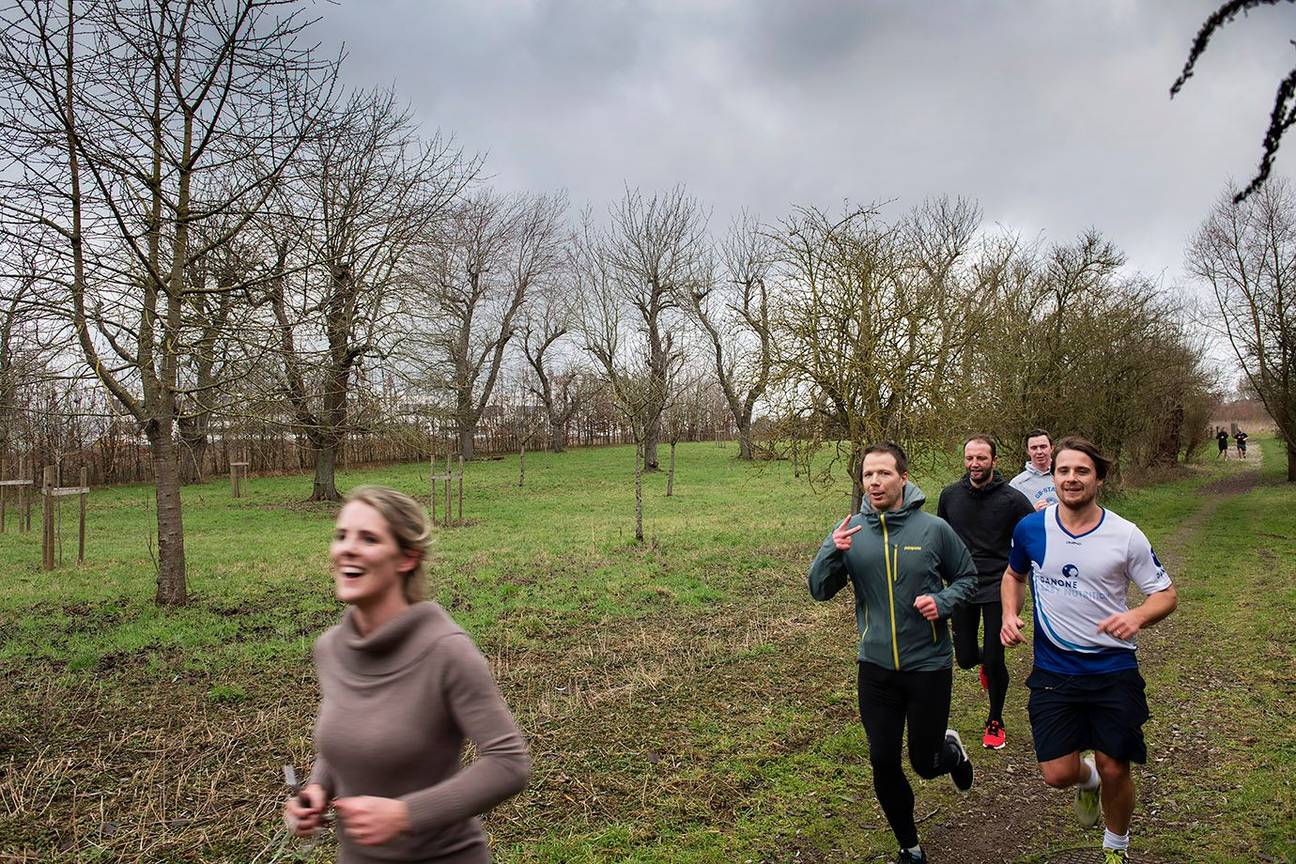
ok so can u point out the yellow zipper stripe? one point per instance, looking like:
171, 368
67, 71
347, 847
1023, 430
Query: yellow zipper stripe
895, 576
886, 559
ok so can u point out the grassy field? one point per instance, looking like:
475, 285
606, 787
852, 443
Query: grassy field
686, 701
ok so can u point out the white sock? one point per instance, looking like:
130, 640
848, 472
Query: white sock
1115, 841
915, 851
1092, 782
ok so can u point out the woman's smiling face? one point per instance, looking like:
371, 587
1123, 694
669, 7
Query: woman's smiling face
368, 564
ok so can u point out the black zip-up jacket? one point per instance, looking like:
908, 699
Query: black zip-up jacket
984, 520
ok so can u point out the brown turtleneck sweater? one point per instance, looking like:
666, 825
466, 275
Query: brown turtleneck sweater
396, 707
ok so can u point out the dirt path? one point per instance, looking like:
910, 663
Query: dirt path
1011, 816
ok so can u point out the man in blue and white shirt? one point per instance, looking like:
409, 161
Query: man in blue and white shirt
1086, 690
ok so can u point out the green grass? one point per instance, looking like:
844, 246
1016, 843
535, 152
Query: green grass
685, 699
1233, 679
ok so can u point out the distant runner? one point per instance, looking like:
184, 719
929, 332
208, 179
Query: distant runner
909, 570
983, 510
1086, 690
1240, 437
1222, 438
1036, 480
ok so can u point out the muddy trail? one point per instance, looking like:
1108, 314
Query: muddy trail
1010, 815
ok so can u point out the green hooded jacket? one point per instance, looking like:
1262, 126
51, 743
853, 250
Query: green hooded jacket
895, 557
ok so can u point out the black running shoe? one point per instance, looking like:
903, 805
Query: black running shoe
961, 773
907, 857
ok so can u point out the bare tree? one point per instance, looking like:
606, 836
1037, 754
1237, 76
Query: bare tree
682, 416
1246, 253
734, 312
630, 378
1068, 340
219, 307
479, 273
1283, 114
549, 321
25, 351
657, 255
369, 191
870, 330
114, 113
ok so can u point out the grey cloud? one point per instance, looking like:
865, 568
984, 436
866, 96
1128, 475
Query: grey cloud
1054, 115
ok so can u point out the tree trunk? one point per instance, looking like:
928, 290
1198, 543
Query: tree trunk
522, 465
856, 467
171, 585
744, 438
557, 434
652, 430
1167, 448
1291, 462
639, 493
670, 478
193, 451
467, 434
325, 486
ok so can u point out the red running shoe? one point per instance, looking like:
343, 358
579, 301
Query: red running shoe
995, 738
985, 682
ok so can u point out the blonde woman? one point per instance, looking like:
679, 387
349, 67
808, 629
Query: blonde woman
402, 687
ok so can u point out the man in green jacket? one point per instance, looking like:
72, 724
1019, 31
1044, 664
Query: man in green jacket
909, 570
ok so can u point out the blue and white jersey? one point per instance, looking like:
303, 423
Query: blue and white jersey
1077, 580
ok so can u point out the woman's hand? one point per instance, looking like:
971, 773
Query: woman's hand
305, 820
372, 821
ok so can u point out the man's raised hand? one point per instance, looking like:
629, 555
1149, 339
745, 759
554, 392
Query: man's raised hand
842, 537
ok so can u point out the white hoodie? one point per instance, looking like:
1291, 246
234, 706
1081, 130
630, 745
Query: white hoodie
1036, 485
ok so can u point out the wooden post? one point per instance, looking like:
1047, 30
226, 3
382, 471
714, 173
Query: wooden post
47, 530
85, 485
4, 494
432, 483
447, 482
461, 488
670, 478
24, 496
238, 474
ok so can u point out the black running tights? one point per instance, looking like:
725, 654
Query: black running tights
887, 700
970, 648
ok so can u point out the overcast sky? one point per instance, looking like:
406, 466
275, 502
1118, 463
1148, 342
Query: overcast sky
1053, 114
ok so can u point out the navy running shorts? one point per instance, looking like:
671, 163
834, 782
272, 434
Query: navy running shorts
1104, 712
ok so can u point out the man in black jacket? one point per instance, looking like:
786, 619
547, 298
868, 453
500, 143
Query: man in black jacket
983, 510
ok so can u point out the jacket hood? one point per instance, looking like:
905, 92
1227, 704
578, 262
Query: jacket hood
912, 501
1031, 469
996, 480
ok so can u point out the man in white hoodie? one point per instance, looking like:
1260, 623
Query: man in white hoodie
1036, 481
